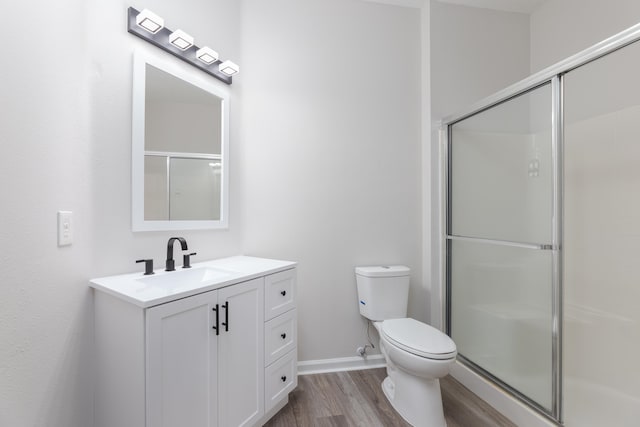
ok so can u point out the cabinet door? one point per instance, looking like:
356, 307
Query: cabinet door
181, 363
241, 354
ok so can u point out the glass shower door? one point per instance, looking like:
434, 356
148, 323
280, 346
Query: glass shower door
502, 244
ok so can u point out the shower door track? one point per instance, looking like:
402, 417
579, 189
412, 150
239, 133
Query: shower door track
554, 75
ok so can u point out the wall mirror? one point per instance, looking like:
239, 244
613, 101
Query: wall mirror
180, 139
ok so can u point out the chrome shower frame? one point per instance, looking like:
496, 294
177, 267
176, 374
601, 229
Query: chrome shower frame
553, 75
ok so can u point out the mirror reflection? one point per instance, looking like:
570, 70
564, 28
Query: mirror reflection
174, 188
179, 152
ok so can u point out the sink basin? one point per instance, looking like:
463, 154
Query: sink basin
187, 278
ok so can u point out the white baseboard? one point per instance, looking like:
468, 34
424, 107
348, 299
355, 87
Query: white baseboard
516, 411
307, 367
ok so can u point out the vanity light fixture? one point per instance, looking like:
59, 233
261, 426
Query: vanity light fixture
229, 68
207, 55
150, 27
181, 40
149, 21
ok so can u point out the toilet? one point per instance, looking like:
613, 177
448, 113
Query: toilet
417, 354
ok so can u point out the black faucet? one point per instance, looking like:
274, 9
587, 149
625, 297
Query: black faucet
171, 264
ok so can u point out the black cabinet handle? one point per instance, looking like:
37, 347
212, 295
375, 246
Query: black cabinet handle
217, 320
283, 293
283, 378
283, 336
226, 316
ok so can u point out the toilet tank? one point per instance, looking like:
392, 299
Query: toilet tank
383, 291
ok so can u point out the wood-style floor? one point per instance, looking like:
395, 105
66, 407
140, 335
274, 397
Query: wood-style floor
355, 398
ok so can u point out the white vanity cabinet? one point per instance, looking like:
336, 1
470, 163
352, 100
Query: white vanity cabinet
204, 358
198, 360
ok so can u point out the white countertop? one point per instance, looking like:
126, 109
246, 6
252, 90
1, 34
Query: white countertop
164, 286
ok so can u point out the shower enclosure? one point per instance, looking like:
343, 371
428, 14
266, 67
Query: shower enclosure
543, 236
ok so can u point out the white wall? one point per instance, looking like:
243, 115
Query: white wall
474, 53
429, 185
45, 307
65, 126
561, 28
325, 171
330, 153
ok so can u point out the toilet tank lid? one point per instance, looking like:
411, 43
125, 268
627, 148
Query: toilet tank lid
383, 271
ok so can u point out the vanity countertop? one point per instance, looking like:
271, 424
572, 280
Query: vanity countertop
164, 286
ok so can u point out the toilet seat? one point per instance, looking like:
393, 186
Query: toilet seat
419, 338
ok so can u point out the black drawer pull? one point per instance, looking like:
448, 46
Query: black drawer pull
283, 378
283, 293
283, 336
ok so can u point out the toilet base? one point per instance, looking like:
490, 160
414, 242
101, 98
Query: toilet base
417, 400
412, 385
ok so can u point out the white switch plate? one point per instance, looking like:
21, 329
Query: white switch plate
65, 228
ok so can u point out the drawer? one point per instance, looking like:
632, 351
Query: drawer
280, 336
279, 379
279, 293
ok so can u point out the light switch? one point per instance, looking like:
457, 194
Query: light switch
65, 228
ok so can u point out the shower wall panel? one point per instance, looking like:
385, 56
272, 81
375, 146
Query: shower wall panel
602, 242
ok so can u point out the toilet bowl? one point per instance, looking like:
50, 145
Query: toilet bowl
417, 354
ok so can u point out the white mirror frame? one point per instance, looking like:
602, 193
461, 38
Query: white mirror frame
190, 75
